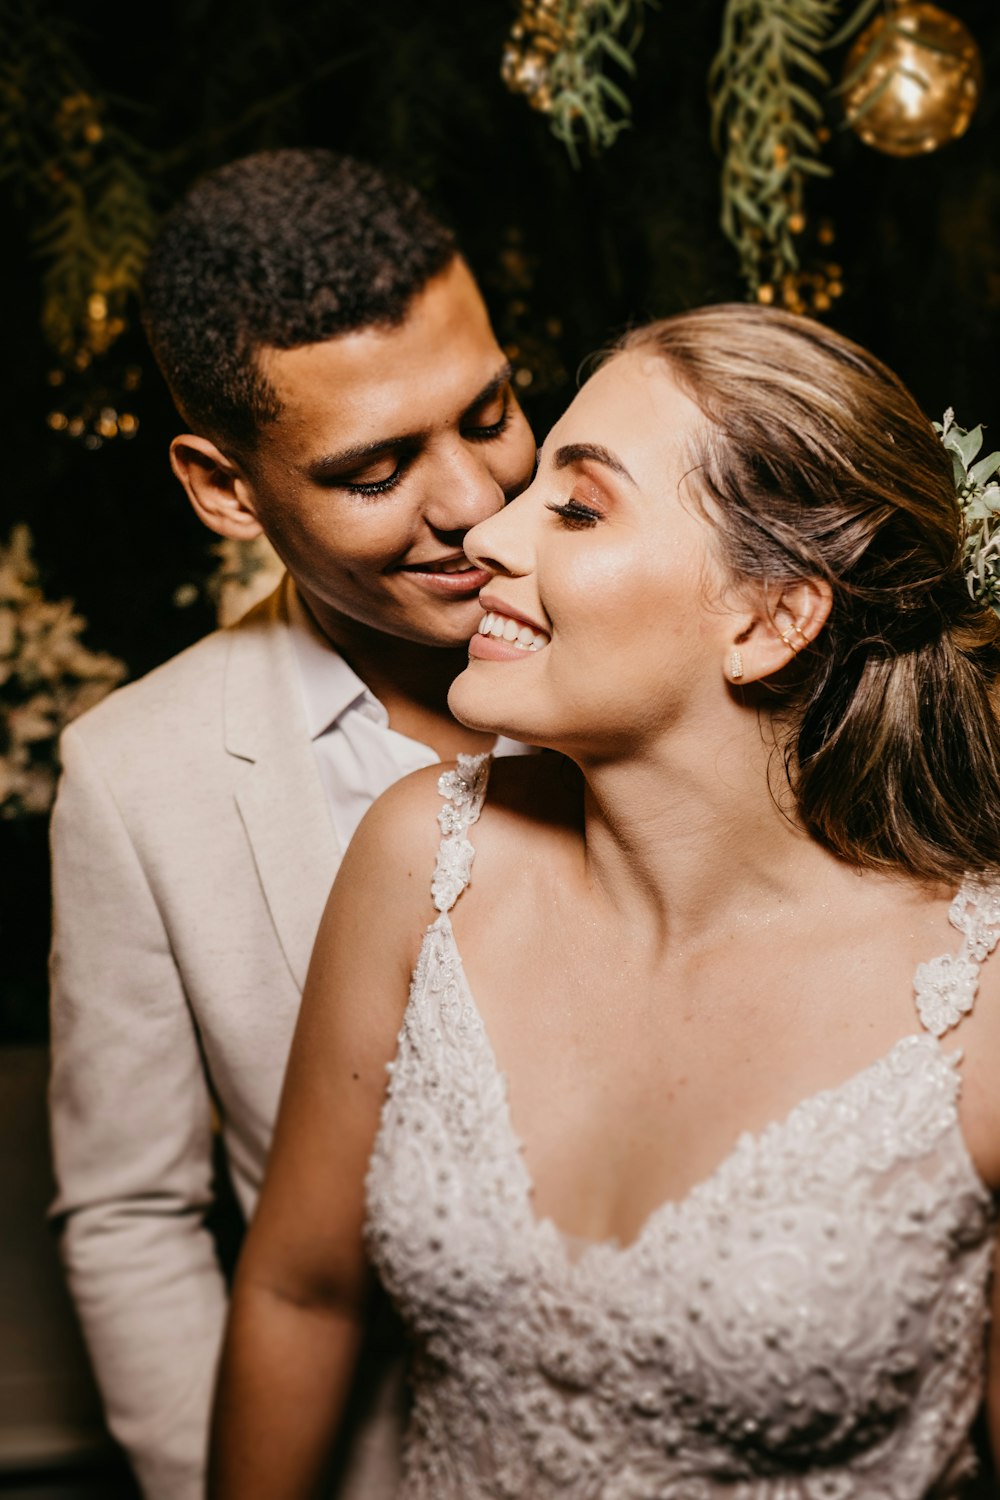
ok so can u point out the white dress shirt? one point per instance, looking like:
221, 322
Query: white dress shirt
358, 754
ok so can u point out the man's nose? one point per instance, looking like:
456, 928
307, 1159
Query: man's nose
465, 492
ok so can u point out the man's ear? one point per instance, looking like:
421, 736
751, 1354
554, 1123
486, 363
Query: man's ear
217, 489
785, 623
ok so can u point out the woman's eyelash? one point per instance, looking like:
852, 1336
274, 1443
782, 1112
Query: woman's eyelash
576, 514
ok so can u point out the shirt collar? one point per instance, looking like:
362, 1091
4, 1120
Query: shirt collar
329, 686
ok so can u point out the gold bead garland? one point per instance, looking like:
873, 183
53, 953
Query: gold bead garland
535, 38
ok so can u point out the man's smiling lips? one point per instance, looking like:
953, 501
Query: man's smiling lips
451, 576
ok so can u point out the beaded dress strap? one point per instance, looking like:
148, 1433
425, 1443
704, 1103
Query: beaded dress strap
464, 791
945, 987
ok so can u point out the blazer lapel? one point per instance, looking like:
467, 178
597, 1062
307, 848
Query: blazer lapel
278, 788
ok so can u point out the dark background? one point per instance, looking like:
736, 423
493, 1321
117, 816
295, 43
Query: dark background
567, 257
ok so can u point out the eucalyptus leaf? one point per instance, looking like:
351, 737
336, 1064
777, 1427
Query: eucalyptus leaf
969, 443
984, 470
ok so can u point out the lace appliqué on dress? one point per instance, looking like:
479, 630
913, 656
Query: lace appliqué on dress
464, 790
945, 987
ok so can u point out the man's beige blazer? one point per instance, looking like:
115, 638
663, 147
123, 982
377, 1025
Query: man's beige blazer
192, 856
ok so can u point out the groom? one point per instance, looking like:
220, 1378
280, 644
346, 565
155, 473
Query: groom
344, 394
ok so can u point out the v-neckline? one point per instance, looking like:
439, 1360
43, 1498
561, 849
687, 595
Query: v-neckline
544, 1228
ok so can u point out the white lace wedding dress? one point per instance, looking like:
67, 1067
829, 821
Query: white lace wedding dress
806, 1324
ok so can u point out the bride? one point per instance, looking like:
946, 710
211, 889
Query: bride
679, 1161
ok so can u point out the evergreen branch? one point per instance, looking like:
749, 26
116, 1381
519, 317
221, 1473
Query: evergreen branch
762, 108
556, 57
86, 177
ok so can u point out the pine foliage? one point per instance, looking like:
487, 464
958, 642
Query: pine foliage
765, 124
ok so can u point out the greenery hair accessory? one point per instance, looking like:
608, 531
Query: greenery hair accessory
978, 490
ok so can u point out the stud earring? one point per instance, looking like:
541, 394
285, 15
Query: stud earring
736, 665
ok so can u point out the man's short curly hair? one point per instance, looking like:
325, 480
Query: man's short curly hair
278, 249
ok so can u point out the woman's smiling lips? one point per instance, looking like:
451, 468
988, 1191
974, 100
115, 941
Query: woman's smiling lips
450, 577
503, 636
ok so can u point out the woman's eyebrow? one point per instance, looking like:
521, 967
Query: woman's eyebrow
576, 453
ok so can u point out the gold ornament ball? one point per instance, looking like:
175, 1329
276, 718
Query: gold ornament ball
921, 87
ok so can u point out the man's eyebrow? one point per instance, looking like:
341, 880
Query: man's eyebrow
576, 453
490, 389
332, 464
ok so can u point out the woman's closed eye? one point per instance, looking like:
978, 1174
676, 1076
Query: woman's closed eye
575, 513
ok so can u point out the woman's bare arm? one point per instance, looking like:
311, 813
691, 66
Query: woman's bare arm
993, 1370
302, 1287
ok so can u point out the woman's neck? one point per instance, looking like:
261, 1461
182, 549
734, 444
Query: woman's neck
695, 835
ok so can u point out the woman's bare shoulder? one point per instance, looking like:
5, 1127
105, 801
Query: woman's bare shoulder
543, 787
532, 802
531, 821
395, 843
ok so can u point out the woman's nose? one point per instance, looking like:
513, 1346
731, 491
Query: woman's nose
502, 541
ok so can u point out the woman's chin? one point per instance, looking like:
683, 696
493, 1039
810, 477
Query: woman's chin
473, 705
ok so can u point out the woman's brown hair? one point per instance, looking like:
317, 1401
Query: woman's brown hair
816, 462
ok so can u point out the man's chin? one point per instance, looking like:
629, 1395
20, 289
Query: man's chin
441, 627
454, 627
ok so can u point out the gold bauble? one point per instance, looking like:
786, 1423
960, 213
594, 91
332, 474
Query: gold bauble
922, 84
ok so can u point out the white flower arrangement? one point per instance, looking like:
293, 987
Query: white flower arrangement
978, 490
244, 575
47, 678
247, 572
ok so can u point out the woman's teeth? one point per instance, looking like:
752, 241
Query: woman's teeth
503, 628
